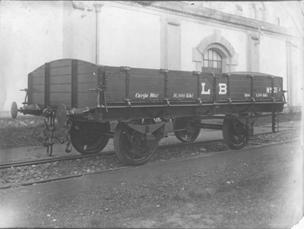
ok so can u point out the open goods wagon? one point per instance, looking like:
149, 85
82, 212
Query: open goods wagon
79, 100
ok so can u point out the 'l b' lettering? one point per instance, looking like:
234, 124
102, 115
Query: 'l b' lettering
204, 92
222, 89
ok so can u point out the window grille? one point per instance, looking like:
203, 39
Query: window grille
212, 61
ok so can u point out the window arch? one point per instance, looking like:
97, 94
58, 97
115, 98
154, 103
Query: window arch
224, 57
212, 61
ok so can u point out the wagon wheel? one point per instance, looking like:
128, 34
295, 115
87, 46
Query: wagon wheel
186, 129
234, 133
89, 137
132, 147
14, 110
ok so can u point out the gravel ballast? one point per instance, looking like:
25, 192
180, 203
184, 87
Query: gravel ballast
16, 176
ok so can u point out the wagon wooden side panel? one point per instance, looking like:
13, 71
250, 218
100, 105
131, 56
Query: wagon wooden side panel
115, 87
206, 87
36, 86
79, 84
221, 88
262, 87
240, 87
144, 85
181, 86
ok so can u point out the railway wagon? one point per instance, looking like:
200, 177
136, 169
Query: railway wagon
79, 100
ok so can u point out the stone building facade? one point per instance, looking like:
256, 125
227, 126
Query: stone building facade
192, 36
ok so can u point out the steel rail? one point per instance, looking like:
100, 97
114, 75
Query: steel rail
107, 153
28, 183
48, 160
82, 156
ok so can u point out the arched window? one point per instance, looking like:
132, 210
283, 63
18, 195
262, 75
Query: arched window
212, 61
214, 53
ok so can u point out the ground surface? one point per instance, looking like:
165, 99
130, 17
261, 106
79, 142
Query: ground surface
252, 188
169, 148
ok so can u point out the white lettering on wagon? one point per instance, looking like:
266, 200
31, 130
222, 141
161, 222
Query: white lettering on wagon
246, 95
275, 89
141, 95
258, 95
146, 95
204, 92
183, 95
222, 89
154, 95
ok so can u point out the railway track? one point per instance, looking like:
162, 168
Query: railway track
83, 156
44, 160
28, 183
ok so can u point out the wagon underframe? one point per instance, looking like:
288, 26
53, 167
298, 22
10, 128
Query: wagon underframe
124, 113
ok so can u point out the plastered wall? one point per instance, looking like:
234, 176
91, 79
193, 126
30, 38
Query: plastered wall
129, 38
78, 30
30, 34
273, 57
33, 33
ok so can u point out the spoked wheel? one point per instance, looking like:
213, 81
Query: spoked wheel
132, 147
186, 130
89, 137
234, 133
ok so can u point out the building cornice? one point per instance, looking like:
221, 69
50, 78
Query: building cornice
201, 13
217, 16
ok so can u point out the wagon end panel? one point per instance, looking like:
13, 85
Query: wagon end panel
36, 86
73, 83
64, 81
278, 92
87, 79
58, 83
